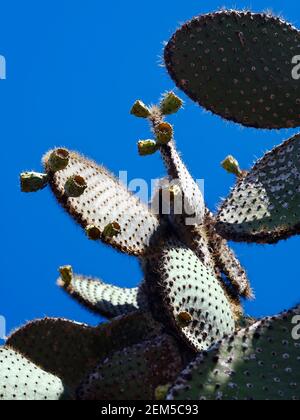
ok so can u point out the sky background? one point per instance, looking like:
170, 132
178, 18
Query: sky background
74, 68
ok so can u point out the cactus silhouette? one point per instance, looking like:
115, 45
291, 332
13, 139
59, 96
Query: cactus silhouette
182, 333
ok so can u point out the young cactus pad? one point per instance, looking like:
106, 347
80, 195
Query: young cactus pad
238, 65
258, 363
104, 299
264, 206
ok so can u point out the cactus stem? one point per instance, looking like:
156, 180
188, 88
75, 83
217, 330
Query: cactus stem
33, 181
66, 273
93, 233
111, 230
75, 186
58, 160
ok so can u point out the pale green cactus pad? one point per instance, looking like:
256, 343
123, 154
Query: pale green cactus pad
22, 380
70, 350
238, 65
104, 201
191, 204
257, 363
264, 206
104, 299
134, 373
191, 297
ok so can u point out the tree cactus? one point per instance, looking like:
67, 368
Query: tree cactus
181, 334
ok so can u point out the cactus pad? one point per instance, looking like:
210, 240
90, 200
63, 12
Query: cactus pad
103, 202
238, 65
226, 260
183, 284
22, 380
264, 207
193, 201
134, 373
258, 363
58, 346
104, 299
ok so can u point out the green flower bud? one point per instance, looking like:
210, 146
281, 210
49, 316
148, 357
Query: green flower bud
93, 233
147, 147
58, 160
184, 319
170, 104
66, 273
33, 181
231, 165
140, 110
75, 186
161, 392
111, 230
164, 133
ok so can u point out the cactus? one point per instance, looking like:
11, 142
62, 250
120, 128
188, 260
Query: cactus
258, 363
22, 380
104, 299
190, 295
58, 345
182, 333
101, 202
264, 206
238, 65
133, 373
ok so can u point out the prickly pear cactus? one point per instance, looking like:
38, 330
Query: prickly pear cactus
258, 363
187, 315
104, 299
133, 373
189, 293
22, 380
97, 199
264, 206
238, 65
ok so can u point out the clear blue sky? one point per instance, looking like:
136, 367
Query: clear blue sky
73, 70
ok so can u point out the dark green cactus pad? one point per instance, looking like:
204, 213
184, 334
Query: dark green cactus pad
239, 65
226, 260
181, 285
264, 206
104, 201
21, 380
104, 299
70, 350
134, 373
257, 363
193, 207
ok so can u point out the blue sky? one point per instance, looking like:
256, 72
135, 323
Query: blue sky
74, 68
